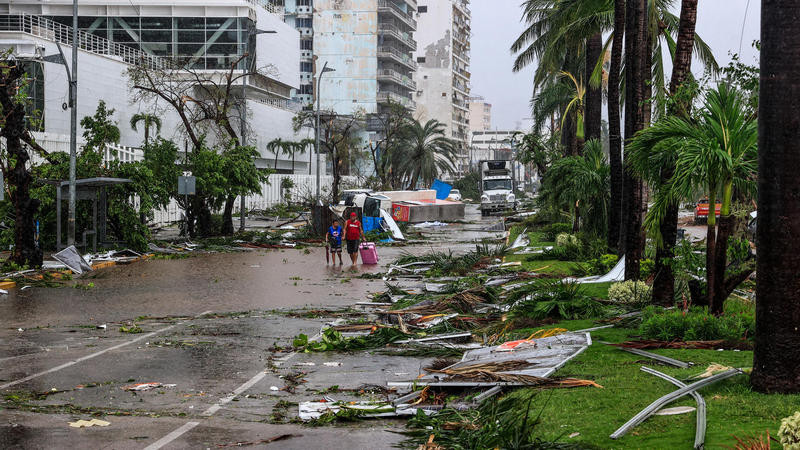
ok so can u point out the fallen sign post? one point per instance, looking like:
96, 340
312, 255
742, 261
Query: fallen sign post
658, 404
700, 428
664, 359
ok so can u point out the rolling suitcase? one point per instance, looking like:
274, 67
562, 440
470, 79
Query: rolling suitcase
369, 254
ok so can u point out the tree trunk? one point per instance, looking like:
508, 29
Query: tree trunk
569, 138
711, 251
336, 176
26, 252
292, 163
636, 48
227, 216
664, 283
776, 361
594, 96
724, 231
614, 133
146, 133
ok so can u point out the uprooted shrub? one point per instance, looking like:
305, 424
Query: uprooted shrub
630, 292
554, 299
696, 324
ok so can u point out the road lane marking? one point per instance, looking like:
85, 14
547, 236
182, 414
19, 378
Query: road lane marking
178, 432
96, 354
172, 436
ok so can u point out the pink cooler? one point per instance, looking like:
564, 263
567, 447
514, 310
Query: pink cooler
369, 254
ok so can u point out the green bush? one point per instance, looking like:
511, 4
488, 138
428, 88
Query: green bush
603, 264
566, 239
789, 432
554, 229
630, 292
696, 324
646, 268
554, 299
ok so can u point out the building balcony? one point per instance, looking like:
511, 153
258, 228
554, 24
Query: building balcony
385, 97
463, 57
393, 31
389, 7
393, 76
460, 87
397, 55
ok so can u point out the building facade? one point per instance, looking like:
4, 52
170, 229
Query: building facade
300, 15
443, 77
480, 115
207, 37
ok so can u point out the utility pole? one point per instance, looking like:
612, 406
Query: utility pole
325, 69
246, 68
73, 132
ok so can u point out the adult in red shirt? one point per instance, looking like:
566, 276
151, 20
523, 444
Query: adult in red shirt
353, 234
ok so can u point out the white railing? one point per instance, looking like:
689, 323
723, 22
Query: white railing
47, 29
280, 103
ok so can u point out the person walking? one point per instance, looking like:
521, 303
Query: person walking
334, 239
353, 234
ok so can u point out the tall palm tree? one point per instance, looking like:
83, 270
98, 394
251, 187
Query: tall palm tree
279, 147
715, 153
576, 106
664, 282
429, 153
614, 126
776, 360
303, 146
148, 120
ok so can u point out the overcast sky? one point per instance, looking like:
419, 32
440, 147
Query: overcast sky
496, 23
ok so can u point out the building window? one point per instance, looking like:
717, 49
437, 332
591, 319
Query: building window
306, 67
306, 89
306, 44
421, 59
304, 23
422, 9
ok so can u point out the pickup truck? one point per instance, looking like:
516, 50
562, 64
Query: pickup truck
701, 210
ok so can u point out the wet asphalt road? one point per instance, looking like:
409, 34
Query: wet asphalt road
210, 325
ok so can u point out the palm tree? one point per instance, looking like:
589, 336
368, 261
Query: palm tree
715, 153
278, 146
575, 107
302, 146
664, 282
149, 120
776, 360
581, 184
614, 126
429, 153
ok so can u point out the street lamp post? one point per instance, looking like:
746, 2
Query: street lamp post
243, 112
325, 69
73, 132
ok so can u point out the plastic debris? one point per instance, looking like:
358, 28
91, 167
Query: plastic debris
89, 423
145, 386
333, 364
102, 327
430, 224
274, 388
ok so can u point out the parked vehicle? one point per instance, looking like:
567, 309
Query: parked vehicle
497, 187
701, 210
455, 195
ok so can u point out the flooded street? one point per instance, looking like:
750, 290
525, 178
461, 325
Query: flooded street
210, 330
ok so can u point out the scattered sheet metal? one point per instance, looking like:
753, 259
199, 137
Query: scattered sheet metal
154, 248
145, 386
658, 404
73, 260
542, 359
388, 222
534, 250
435, 287
615, 274
675, 411
441, 337
497, 226
664, 359
700, 428
499, 281
430, 224
522, 240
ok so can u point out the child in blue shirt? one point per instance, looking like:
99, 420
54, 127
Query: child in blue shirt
334, 239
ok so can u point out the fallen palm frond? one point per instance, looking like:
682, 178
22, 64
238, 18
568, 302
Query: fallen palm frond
752, 442
498, 372
461, 302
358, 327
695, 345
425, 351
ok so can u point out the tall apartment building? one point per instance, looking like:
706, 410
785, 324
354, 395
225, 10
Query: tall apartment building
444, 75
480, 114
369, 45
300, 15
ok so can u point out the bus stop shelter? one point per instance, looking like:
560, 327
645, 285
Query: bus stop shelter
94, 190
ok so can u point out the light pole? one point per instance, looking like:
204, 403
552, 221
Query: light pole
325, 69
243, 110
73, 132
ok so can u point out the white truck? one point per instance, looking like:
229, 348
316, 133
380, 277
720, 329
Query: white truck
497, 187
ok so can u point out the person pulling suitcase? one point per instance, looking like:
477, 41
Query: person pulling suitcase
353, 234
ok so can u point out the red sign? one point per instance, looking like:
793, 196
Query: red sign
400, 213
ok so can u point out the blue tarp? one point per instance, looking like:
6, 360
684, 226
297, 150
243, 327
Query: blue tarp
442, 189
371, 223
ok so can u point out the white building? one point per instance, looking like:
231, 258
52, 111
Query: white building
116, 33
300, 15
444, 75
480, 115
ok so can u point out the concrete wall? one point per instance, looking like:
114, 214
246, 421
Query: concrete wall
435, 75
346, 37
480, 116
280, 51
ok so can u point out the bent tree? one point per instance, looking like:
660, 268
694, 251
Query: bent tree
776, 362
